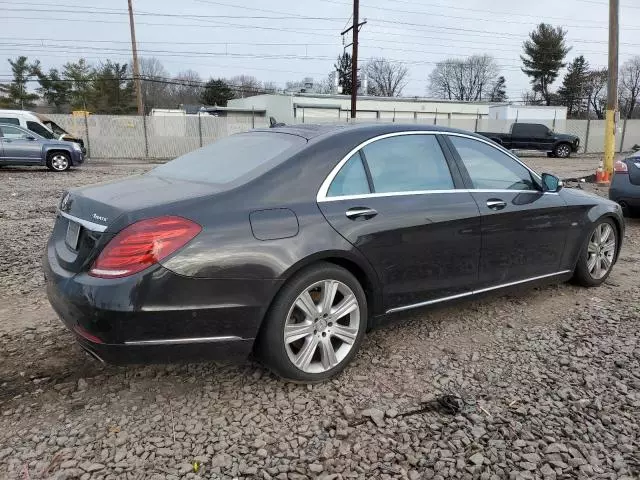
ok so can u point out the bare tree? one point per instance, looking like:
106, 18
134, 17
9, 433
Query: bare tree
155, 89
270, 87
387, 79
630, 85
187, 88
531, 98
469, 79
245, 86
596, 91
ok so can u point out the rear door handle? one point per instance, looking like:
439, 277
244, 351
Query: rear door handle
496, 204
360, 212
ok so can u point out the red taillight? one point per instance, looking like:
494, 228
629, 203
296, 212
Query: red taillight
143, 244
620, 167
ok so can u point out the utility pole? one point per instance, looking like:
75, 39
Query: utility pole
136, 68
355, 26
612, 88
354, 58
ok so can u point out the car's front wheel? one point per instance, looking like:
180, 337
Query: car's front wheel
315, 326
58, 161
597, 256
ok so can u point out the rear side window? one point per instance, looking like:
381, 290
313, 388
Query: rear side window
351, 179
244, 155
10, 121
408, 163
40, 130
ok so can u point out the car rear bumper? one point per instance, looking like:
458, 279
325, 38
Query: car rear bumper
158, 316
623, 191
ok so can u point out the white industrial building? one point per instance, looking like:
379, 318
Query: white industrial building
304, 107
527, 112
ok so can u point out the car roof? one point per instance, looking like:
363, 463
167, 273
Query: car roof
309, 131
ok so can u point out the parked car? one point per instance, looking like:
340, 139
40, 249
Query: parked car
535, 136
292, 242
39, 124
19, 146
625, 184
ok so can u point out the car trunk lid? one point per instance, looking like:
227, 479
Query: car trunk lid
633, 165
91, 216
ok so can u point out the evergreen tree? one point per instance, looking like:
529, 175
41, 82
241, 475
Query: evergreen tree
499, 90
217, 92
543, 57
343, 67
16, 94
54, 89
574, 86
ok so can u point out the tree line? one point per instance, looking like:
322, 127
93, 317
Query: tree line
108, 87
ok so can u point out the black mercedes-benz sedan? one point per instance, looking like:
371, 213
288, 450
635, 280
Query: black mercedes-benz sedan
292, 242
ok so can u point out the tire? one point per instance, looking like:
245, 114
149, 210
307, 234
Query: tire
58, 161
597, 256
306, 357
562, 150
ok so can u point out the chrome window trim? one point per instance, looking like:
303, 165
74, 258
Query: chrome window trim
94, 227
475, 292
324, 188
182, 341
428, 192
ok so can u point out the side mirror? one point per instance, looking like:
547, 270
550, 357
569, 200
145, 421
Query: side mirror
551, 183
29, 137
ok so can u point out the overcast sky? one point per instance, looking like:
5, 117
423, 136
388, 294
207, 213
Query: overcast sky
298, 38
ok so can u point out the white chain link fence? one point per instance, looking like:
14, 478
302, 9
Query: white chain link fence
162, 137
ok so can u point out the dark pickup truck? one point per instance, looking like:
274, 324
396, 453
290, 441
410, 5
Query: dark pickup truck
535, 136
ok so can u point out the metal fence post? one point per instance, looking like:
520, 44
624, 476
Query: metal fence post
253, 117
200, 128
86, 133
146, 139
435, 118
586, 140
475, 129
624, 131
394, 115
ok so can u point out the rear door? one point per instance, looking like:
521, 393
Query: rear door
524, 231
17, 147
398, 199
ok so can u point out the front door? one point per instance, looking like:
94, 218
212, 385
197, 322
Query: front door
396, 200
19, 145
524, 231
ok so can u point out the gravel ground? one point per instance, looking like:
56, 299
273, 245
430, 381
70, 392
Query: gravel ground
549, 378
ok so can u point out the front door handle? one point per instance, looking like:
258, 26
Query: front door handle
496, 204
360, 212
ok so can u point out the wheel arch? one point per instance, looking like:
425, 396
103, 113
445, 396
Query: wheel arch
358, 267
50, 151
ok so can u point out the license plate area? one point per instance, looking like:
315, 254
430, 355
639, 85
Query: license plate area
73, 235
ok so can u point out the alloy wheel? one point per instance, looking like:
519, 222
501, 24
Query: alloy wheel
601, 251
563, 151
322, 326
59, 162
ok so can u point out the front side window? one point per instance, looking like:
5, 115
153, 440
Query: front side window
40, 130
491, 169
351, 179
407, 163
12, 132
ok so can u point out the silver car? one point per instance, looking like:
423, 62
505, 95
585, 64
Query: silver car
23, 147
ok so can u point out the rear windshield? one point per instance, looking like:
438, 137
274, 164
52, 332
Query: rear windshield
242, 155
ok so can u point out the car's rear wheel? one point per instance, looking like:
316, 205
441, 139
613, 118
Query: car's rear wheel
562, 150
315, 326
58, 161
597, 255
